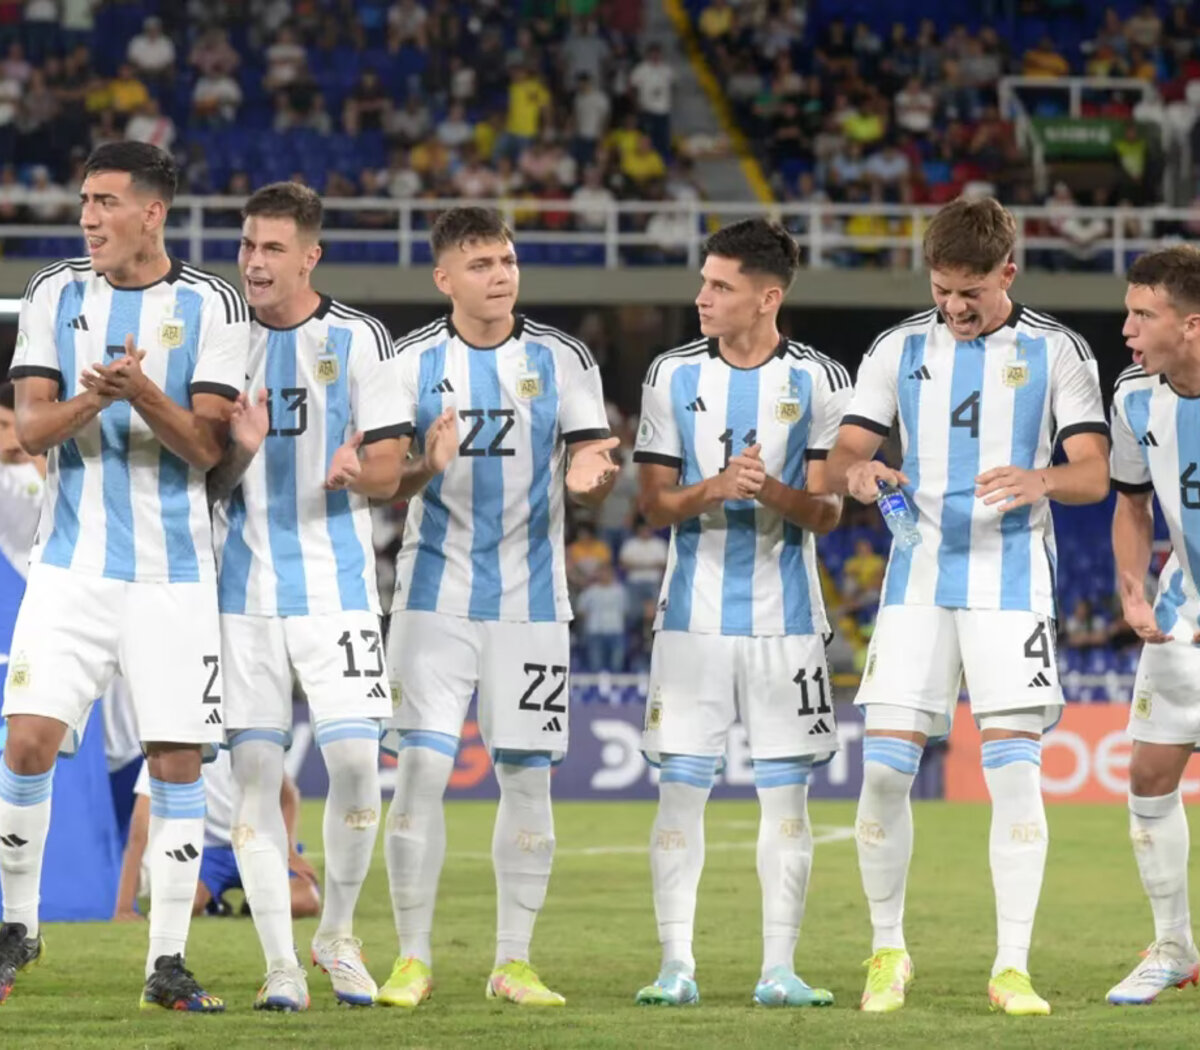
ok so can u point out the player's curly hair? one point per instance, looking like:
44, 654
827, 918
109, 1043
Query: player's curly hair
971, 235
760, 246
287, 200
1176, 270
458, 227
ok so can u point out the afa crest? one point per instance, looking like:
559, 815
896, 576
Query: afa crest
787, 410
171, 333
1141, 705
1016, 374
327, 368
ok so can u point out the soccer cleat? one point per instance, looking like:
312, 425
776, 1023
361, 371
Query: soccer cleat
410, 984
675, 985
173, 987
1011, 991
16, 952
1164, 965
285, 990
341, 958
889, 973
779, 986
516, 982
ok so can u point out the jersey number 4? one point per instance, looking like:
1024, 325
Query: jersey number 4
966, 415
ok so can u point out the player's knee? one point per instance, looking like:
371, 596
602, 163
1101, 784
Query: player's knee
523, 774
1147, 781
174, 763
306, 902
257, 762
889, 765
32, 743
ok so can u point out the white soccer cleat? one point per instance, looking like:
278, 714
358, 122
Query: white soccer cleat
341, 958
1164, 965
285, 990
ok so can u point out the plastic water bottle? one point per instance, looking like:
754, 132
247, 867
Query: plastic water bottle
897, 512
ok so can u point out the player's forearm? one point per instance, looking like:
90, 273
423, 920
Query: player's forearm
1133, 535
43, 425
1080, 481
672, 504
816, 514
837, 467
414, 476
192, 439
224, 477
377, 480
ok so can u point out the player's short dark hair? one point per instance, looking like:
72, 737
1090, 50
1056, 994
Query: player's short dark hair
150, 169
459, 227
1176, 270
760, 246
8, 396
971, 235
288, 200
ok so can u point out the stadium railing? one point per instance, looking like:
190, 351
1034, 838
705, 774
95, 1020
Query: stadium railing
817, 227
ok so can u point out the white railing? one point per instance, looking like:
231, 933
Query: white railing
820, 229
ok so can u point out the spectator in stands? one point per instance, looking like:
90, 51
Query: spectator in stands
105, 130
890, 169
915, 107
371, 184
862, 578
652, 79
1086, 628
152, 53
643, 163
215, 100
48, 202
716, 20
127, 92
410, 124
213, 55
406, 20
36, 140
150, 124
586, 554
528, 101
287, 116
1144, 29
585, 53
431, 160
1044, 60
592, 109
367, 106
76, 23
14, 195
1085, 233
286, 58
402, 182
474, 179
461, 81
602, 605
643, 560
594, 200
456, 131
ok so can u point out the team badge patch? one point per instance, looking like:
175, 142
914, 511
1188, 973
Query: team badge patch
645, 433
1016, 374
787, 410
171, 333
654, 711
529, 385
395, 695
18, 673
869, 673
327, 368
1141, 705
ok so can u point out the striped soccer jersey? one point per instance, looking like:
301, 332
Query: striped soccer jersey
1003, 399
285, 546
484, 540
741, 569
1156, 446
118, 503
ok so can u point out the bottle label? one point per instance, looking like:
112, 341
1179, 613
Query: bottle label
893, 503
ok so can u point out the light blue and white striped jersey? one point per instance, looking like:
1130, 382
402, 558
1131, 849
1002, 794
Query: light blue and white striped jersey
1156, 446
741, 569
484, 540
1003, 399
285, 546
118, 503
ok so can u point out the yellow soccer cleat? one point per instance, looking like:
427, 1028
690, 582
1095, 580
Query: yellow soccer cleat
889, 973
1011, 991
409, 985
516, 982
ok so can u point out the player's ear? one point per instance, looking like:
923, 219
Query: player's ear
311, 257
771, 299
1007, 273
441, 281
154, 215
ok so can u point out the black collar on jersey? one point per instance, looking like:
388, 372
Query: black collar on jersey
323, 304
1014, 315
714, 350
518, 327
1164, 381
170, 277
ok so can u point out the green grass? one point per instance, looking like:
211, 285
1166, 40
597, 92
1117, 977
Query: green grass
596, 944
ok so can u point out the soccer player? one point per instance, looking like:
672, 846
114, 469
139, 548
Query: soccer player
22, 481
732, 426
984, 389
297, 590
496, 405
1156, 448
126, 367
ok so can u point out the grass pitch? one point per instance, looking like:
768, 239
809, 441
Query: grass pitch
596, 944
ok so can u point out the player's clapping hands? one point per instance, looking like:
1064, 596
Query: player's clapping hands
123, 380
591, 466
862, 479
441, 442
345, 466
743, 476
250, 421
1008, 488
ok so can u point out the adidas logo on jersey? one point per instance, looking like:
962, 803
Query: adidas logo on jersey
79, 323
1039, 681
214, 719
1149, 441
697, 406
553, 726
183, 855
378, 692
444, 387
921, 373
14, 840
819, 726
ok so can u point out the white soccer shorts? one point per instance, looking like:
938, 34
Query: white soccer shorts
1166, 694
701, 683
336, 658
74, 632
919, 654
436, 661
